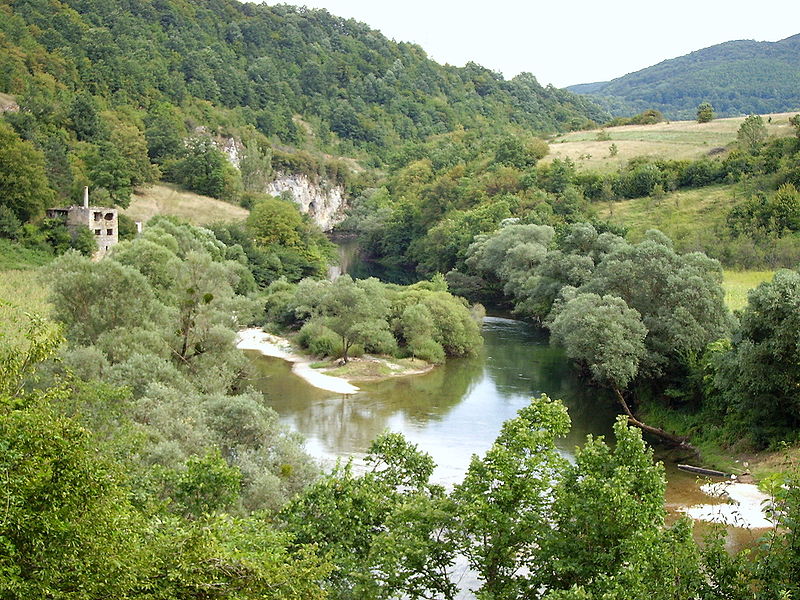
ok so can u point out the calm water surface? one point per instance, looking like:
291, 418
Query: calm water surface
452, 412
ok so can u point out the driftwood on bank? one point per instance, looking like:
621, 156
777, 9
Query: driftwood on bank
702, 471
675, 440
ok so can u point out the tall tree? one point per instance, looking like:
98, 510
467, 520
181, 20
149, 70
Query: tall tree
705, 112
24, 188
752, 134
503, 504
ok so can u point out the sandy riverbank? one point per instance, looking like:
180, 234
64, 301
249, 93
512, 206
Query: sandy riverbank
745, 506
362, 368
272, 345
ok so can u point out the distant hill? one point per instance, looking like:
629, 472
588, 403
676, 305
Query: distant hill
738, 77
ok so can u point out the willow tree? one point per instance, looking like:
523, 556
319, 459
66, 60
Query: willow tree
608, 337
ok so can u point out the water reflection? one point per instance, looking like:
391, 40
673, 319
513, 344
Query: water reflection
457, 409
353, 263
452, 412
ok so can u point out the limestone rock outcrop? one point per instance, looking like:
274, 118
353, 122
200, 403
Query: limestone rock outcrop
323, 202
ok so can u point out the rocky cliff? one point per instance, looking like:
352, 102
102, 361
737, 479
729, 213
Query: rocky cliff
324, 203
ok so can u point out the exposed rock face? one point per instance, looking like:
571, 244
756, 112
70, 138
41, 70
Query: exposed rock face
325, 204
232, 148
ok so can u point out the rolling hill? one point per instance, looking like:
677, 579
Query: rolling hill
737, 77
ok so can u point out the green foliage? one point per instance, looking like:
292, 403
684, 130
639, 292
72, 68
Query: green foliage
285, 241
752, 134
207, 485
651, 116
205, 169
24, 188
705, 112
679, 297
357, 312
226, 557
382, 530
256, 167
733, 76
351, 86
603, 333
127, 228
159, 316
608, 537
777, 214
795, 122
92, 298
319, 340
84, 114
758, 377
423, 320
164, 133
504, 501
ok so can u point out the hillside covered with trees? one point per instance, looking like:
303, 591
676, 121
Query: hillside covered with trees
137, 460
106, 88
737, 77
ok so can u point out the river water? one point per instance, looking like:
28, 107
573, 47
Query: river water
456, 410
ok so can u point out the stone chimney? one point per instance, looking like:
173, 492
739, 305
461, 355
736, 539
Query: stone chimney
86, 196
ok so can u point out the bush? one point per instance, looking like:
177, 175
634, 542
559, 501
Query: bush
319, 340
426, 349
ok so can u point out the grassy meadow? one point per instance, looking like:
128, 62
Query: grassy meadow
22, 291
738, 283
693, 218
670, 139
168, 199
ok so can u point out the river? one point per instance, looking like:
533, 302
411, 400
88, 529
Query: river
456, 410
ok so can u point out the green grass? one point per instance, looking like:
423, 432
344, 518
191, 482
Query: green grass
14, 256
21, 292
168, 199
693, 218
737, 283
25, 289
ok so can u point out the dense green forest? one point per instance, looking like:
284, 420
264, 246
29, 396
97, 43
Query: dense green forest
737, 77
104, 86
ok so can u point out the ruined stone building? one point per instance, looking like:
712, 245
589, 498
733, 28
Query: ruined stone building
101, 221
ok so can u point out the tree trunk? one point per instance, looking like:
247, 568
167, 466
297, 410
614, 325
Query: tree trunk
675, 440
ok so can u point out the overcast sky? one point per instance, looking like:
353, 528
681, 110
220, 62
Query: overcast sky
564, 42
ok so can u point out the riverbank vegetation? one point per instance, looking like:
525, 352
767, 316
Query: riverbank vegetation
135, 460
343, 318
526, 520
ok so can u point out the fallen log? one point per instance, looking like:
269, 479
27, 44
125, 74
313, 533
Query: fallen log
709, 472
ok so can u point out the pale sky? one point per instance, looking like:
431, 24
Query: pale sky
566, 42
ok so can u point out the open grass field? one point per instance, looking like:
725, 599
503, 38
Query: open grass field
675, 139
168, 199
15, 256
691, 218
737, 283
25, 289
21, 291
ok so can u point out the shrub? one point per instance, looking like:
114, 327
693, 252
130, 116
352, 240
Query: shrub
319, 340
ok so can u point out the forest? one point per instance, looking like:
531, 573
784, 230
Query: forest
137, 459
737, 77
